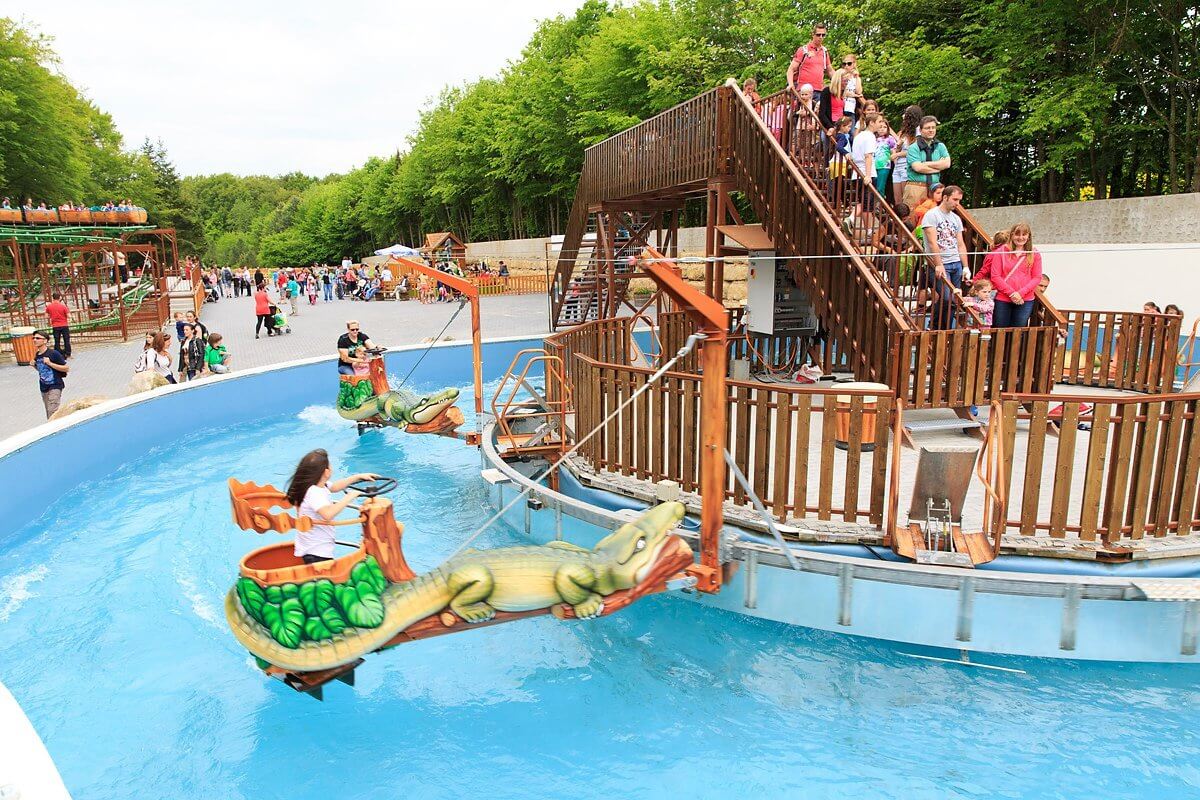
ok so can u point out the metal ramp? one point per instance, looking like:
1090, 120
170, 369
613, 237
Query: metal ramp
934, 533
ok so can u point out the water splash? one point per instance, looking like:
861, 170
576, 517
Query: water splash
322, 417
14, 591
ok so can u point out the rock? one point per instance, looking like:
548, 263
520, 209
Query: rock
145, 381
87, 401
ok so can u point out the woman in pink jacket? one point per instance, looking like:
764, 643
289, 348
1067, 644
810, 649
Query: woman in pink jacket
1015, 272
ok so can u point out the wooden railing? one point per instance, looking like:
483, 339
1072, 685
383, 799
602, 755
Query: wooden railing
1136, 475
775, 354
1119, 350
784, 439
487, 284
676, 148
605, 340
847, 292
879, 236
510, 284
969, 367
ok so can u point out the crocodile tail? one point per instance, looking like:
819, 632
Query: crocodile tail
403, 603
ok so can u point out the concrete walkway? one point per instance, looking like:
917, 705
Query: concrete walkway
106, 369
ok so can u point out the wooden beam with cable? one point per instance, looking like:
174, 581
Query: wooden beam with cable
471, 292
712, 320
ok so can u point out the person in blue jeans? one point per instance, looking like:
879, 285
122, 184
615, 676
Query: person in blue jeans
943, 232
327, 283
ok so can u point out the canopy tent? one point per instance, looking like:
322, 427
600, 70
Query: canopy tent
399, 250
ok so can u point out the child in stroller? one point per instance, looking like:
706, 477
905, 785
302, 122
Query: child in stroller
281, 321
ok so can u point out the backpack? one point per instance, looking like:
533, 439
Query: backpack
143, 362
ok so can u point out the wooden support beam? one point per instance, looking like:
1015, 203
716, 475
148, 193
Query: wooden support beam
712, 319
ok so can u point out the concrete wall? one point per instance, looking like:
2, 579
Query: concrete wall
1115, 254
1101, 254
1130, 220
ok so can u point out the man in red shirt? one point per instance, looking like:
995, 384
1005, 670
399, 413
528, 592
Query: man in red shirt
811, 63
60, 323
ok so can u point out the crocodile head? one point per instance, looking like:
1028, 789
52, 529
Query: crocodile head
633, 549
425, 409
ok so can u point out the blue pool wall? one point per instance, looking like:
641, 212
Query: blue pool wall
43, 464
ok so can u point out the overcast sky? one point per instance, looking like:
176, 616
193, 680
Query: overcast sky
265, 87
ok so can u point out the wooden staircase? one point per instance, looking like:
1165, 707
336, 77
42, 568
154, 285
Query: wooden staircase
869, 284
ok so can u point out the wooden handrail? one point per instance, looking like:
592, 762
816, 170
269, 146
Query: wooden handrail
833, 228
882, 206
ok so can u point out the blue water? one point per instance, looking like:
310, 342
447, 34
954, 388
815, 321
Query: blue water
114, 640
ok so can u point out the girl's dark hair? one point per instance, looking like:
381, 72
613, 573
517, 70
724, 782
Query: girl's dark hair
1153, 305
308, 473
910, 121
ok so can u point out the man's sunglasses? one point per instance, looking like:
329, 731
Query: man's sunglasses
820, 35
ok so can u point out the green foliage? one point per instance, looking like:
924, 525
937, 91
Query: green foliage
1040, 100
319, 609
360, 604
285, 621
353, 395
252, 597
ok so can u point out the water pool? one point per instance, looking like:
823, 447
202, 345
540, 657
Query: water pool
115, 643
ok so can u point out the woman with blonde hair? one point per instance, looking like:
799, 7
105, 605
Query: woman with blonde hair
851, 89
1016, 274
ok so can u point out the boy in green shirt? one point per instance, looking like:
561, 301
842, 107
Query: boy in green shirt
216, 360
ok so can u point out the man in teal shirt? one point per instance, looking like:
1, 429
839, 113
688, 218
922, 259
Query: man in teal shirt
293, 293
927, 158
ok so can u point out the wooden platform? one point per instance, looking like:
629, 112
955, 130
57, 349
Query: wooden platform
910, 543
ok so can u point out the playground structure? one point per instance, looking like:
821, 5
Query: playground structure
118, 283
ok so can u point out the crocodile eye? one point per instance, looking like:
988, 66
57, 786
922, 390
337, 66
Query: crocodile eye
641, 545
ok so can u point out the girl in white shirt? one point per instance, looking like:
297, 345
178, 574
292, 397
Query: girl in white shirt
310, 491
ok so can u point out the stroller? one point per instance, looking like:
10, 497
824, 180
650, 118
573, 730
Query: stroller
281, 321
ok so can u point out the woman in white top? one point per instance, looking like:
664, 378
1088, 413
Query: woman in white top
852, 93
156, 357
310, 491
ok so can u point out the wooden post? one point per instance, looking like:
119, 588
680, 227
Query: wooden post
382, 536
477, 353
710, 236
714, 409
712, 320
471, 292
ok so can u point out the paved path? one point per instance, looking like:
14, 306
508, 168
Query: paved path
106, 368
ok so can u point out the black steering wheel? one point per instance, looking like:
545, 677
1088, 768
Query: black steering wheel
376, 351
369, 488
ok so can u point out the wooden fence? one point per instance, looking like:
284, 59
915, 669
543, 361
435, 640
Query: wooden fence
1133, 474
1119, 350
784, 440
966, 366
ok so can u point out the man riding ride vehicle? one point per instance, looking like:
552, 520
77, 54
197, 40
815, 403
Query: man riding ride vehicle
352, 348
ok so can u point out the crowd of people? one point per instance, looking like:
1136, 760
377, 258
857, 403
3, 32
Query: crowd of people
125, 205
869, 162
275, 290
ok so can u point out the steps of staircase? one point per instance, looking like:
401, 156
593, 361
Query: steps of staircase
918, 425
